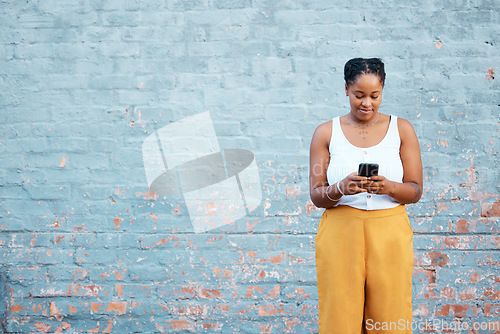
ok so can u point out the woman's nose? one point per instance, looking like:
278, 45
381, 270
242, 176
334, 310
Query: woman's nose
367, 102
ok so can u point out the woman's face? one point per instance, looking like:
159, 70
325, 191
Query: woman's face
365, 96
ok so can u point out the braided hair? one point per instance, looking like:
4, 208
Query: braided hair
357, 66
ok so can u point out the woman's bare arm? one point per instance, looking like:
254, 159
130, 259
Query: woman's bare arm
410, 190
319, 158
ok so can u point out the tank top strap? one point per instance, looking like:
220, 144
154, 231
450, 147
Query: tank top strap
335, 126
393, 132
337, 138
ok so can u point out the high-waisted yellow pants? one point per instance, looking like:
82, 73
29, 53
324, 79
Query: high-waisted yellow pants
364, 263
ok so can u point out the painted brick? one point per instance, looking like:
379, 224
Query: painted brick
85, 246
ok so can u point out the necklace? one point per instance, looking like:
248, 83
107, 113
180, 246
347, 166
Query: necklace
360, 127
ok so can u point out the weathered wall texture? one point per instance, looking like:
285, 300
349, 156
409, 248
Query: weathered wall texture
87, 247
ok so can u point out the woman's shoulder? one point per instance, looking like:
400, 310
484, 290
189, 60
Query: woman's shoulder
324, 126
405, 128
404, 124
324, 129
323, 132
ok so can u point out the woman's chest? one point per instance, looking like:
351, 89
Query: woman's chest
365, 137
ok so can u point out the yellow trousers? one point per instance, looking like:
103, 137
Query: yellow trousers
364, 264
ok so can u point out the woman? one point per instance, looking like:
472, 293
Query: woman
364, 249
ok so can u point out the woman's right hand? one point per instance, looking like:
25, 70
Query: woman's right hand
353, 184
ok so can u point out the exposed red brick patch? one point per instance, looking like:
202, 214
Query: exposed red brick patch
58, 239
206, 293
89, 290
292, 323
490, 74
119, 289
269, 310
135, 304
491, 310
95, 307
117, 222
265, 329
310, 207
192, 310
452, 242
120, 307
445, 310
16, 308
119, 276
180, 324
429, 273
155, 216
41, 327
494, 211
72, 309
463, 226
431, 293
251, 289
65, 326
54, 310
277, 258
188, 289
468, 294
147, 195
490, 261
459, 311
438, 259
442, 207
491, 293
447, 293
216, 326
275, 291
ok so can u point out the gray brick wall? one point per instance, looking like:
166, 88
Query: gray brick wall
85, 246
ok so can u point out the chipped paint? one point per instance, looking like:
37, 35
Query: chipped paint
490, 74
119, 307
87, 247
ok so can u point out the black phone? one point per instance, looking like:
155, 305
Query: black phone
368, 170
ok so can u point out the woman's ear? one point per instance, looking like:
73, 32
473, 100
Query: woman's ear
346, 90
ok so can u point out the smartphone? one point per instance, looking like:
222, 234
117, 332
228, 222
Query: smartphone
368, 170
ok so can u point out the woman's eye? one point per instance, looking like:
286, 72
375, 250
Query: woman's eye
375, 97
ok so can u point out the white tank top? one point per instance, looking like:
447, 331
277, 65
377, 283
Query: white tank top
345, 158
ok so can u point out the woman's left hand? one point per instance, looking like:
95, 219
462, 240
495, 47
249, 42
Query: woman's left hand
380, 185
